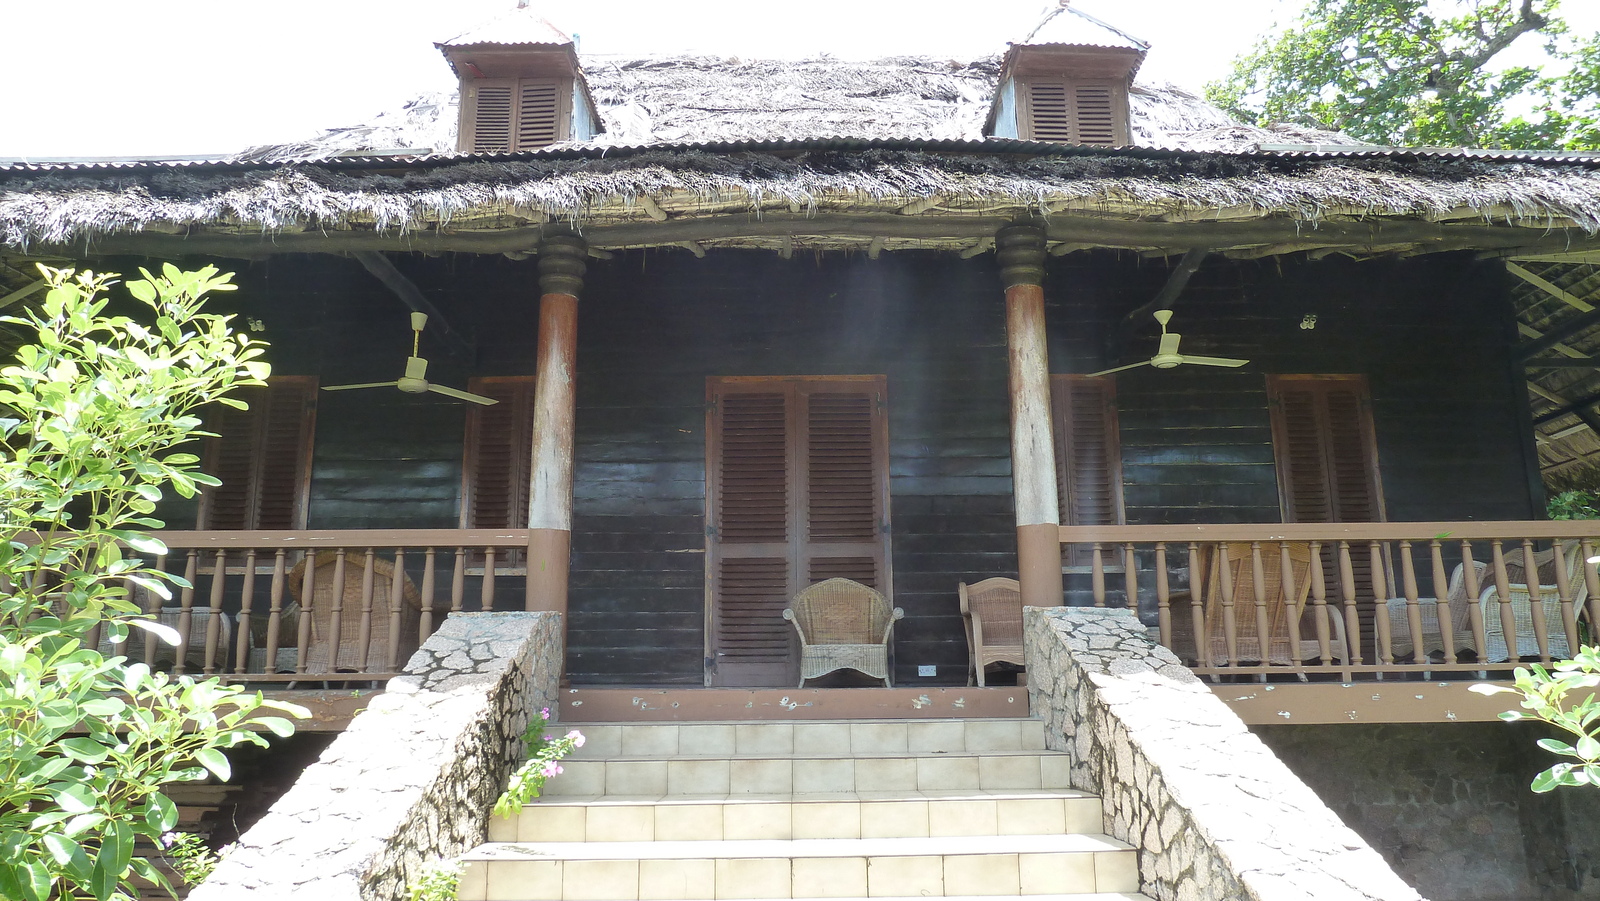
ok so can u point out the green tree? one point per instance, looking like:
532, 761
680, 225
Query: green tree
1424, 73
92, 413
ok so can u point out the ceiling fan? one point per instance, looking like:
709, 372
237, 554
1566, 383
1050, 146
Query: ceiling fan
415, 380
1167, 355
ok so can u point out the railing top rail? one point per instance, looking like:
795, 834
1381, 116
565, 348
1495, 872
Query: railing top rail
1342, 531
345, 538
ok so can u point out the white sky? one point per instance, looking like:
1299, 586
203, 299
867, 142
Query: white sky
154, 77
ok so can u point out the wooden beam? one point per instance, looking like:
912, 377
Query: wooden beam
384, 270
652, 209
1562, 363
1560, 333
1169, 292
1558, 293
1528, 331
1580, 405
875, 247
850, 229
21, 293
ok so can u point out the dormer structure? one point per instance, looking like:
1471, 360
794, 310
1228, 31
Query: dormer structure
521, 86
1067, 82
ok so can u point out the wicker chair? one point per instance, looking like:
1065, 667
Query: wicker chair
1522, 604
1238, 559
993, 613
1403, 644
842, 625
382, 655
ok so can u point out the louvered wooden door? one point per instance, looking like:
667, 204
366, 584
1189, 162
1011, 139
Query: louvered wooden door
796, 492
262, 455
1088, 455
1327, 461
497, 449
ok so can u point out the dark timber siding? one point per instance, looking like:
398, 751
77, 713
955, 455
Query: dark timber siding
1196, 443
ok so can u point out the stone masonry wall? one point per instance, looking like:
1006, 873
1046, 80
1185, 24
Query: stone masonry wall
1216, 816
413, 778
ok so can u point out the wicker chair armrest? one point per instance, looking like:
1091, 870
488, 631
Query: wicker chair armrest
888, 630
788, 614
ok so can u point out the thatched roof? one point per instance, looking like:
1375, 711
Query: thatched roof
657, 100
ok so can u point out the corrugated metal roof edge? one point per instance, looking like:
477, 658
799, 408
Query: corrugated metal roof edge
992, 145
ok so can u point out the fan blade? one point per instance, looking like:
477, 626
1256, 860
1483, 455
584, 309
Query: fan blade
1119, 368
462, 395
353, 387
1213, 361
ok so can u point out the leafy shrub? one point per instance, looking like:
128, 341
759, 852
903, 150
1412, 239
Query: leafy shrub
92, 412
1574, 504
1553, 698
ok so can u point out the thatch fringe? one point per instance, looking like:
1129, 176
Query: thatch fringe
62, 207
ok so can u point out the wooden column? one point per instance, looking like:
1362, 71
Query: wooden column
1021, 251
561, 267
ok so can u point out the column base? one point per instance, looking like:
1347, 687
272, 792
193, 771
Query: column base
1039, 565
549, 551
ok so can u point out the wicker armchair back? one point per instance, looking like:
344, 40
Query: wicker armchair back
842, 625
389, 643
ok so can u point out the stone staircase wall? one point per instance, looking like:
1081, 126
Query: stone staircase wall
413, 777
1216, 815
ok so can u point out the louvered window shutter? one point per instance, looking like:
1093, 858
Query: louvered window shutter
1068, 111
263, 457
538, 114
1326, 454
1088, 455
499, 440
1049, 116
506, 114
1327, 464
797, 489
1095, 116
491, 122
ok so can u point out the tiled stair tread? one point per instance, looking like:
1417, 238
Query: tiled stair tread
942, 846
977, 794
819, 754
1086, 896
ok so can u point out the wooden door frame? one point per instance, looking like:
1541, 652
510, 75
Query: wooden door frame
798, 480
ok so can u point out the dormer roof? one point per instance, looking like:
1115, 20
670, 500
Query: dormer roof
1065, 25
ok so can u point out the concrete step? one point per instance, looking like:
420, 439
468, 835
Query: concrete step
843, 815
784, 774
802, 868
814, 739
627, 705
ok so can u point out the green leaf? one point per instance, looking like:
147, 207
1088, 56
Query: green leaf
214, 761
85, 749
160, 812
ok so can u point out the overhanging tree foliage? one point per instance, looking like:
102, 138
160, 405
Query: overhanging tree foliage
1425, 73
89, 418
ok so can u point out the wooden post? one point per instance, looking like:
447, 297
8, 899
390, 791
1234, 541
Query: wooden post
561, 268
1021, 251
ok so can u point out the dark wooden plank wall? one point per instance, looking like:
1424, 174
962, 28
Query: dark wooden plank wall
1196, 442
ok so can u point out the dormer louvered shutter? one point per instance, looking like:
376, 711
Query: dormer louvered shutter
263, 457
1051, 119
538, 111
1073, 111
1095, 117
1088, 455
491, 119
499, 440
514, 114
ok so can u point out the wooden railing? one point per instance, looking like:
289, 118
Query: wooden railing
1350, 600
268, 607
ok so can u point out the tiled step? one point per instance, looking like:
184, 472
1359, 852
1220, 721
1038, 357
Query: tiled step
802, 868
833, 816
631, 705
799, 775
819, 739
